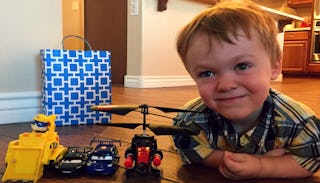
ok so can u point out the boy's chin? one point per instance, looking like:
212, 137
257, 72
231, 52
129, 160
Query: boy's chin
235, 117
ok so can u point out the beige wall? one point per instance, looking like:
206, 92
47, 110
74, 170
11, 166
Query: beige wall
159, 56
26, 27
152, 57
73, 23
134, 41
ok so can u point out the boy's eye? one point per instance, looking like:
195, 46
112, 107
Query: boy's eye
242, 66
206, 74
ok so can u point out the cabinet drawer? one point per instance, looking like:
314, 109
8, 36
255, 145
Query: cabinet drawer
299, 35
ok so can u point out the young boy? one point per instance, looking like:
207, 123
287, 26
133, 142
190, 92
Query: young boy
248, 130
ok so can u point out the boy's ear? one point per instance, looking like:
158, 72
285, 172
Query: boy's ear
276, 69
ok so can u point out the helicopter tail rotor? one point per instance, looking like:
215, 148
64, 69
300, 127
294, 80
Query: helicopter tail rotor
171, 130
168, 109
115, 109
125, 125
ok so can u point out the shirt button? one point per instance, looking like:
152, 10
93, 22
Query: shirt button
243, 141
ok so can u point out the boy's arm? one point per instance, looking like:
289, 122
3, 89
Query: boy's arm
214, 159
245, 166
282, 167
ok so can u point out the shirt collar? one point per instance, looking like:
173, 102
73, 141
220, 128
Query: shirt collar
254, 140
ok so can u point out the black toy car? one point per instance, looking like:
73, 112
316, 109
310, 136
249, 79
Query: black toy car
104, 158
74, 159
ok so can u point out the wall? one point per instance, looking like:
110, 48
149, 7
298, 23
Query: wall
26, 27
73, 23
152, 58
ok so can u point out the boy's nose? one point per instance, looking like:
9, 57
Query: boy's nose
225, 83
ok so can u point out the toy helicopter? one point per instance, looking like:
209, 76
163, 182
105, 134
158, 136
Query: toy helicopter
143, 156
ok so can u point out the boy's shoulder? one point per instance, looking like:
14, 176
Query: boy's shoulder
289, 108
195, 104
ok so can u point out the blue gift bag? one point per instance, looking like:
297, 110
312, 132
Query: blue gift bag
73, 81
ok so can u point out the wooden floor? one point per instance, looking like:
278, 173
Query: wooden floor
306, 90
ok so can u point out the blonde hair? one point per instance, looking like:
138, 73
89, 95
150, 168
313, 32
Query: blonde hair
225, 19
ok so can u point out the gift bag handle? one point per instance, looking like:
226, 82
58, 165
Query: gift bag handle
79, 37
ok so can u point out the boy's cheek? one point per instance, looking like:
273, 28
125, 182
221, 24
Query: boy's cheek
205, 91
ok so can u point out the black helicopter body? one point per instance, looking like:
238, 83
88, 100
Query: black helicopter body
143, 156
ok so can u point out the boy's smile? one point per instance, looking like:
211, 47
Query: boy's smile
233, 79
230, 99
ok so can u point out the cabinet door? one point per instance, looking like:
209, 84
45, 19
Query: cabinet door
299, 3
294, 56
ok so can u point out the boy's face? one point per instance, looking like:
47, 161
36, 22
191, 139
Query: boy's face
232, 79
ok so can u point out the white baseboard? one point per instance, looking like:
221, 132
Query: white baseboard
19, 106
157, 81
164, 81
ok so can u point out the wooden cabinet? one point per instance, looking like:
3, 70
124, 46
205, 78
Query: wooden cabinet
295, 52
314, 68
299, 3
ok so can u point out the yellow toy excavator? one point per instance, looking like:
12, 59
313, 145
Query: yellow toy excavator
26, 156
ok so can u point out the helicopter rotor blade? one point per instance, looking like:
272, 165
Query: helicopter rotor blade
168, 109
115, 109
125, 109
171, 130
125, 125
156, 129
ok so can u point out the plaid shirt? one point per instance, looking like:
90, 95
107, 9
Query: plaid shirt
284, 123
